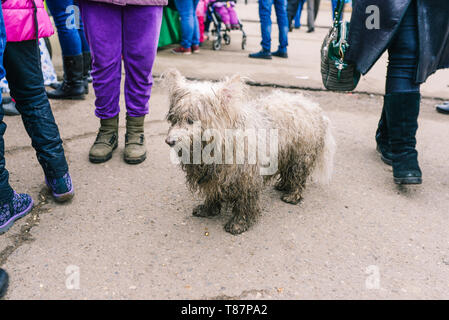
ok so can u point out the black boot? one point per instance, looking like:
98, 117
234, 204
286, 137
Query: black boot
402, 110
9, 107
383, 139
73, 85
3, 282
87, 66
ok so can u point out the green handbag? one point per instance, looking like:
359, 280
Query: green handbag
337, 74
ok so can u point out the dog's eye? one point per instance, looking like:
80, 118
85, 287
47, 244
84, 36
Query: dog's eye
189, 121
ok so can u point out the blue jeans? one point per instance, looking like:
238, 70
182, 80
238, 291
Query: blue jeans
70, 27
403, 55
6, 192
298, 14
190, 30
24, 74
265, 23
334, 6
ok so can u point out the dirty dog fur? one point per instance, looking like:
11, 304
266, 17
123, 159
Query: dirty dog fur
305, 144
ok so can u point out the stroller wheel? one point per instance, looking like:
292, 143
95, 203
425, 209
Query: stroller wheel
227, 39
244, 43
217, 44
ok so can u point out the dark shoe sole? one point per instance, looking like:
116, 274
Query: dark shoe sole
97, 160
80, 97
11, 221
60, 198
135, 160
442, 110
384, 159
408, 180
11, 114
266, 58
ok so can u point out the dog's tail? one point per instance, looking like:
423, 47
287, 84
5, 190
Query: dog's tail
324, 166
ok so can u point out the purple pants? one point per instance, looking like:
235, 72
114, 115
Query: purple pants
115, 32
228, 15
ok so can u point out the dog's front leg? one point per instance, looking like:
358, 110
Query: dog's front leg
210, 208
246, 211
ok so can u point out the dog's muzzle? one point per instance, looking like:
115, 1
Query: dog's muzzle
170, 141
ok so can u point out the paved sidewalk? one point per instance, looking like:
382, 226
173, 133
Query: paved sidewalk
129, 232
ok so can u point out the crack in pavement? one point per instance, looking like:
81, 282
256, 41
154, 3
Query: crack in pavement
24, 235
252, 83
258, 293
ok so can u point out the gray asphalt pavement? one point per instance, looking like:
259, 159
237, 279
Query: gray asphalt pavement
129, 232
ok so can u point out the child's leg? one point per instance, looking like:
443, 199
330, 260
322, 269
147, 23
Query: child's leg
224, 14
6, 192
201, 24
64, 15
196, 26
24, 75
141, 27
103, 25
187, 12
233, 17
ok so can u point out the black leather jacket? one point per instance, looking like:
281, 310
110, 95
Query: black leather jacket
367, 45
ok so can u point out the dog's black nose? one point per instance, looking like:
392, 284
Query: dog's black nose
170, 142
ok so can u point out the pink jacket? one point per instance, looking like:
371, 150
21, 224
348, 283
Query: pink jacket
201, 8
20, 23
135, 2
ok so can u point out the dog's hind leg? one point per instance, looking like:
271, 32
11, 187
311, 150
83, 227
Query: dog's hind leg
246, 211
210, 208
285, 168
296, 183
282, 184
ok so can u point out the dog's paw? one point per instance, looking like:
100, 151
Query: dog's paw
292, 198
203, 211
237, 225
280, 186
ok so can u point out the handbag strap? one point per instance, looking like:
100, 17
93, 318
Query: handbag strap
339, 12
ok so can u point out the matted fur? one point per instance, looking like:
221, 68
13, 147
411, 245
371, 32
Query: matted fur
305, 150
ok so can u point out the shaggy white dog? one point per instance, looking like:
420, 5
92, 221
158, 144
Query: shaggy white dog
215, 130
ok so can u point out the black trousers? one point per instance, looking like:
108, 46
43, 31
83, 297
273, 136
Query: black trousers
292, 8
24, 74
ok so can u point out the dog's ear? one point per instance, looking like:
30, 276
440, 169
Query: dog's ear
232, 88
172, 79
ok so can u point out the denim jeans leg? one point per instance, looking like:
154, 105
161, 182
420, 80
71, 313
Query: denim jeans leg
281, 15
265, 23
334, 7
6, 192
24, 74
196, 26
188, 18
65, 13
298, 15
403, 55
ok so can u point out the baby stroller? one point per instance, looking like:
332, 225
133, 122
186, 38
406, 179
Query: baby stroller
220, 31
